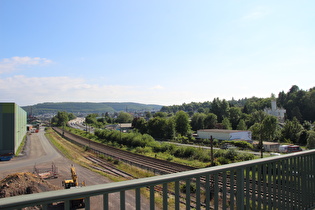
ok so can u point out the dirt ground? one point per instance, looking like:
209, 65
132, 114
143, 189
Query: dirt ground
24, 183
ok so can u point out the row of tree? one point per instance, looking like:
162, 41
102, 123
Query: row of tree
298, 103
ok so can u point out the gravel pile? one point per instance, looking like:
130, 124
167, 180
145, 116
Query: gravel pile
24, 183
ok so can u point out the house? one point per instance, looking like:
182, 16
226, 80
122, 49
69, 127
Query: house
221, 134
124, 127
269, 146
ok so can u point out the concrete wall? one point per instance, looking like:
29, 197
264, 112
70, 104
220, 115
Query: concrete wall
12, 127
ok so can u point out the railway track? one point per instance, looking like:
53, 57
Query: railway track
153, 164
156, 165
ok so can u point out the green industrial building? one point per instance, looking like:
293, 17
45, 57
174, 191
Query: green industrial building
12, 127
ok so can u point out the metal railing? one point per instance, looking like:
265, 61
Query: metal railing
282, 182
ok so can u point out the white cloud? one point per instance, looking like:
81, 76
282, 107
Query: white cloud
32, 90
12, 64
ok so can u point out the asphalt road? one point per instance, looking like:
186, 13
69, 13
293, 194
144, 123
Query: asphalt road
39, 151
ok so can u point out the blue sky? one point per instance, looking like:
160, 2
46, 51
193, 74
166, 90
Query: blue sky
153, 52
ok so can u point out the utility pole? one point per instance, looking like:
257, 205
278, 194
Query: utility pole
120, 131
261, 143
211, 151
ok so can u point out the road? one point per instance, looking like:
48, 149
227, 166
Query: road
39, 151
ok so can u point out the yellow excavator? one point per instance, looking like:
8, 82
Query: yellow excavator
74, 183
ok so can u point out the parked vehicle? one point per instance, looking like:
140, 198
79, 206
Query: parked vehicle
228, 146
289, 148
6, 157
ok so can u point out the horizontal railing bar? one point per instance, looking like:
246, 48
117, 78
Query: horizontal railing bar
88, 191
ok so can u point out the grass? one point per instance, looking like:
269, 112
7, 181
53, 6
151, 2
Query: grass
21, 145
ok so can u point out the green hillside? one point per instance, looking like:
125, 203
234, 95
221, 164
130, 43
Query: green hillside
88, 107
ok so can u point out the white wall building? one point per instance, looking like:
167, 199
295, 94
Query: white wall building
277, 112
221, 134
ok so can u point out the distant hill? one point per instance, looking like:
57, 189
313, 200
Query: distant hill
88, 107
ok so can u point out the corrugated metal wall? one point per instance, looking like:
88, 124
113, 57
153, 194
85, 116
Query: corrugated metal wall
12, 127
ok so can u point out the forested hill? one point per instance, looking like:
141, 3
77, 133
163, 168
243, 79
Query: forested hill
88, 107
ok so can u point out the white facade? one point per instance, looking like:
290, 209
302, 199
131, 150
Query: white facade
277, 112
224, 134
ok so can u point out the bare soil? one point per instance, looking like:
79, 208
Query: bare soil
24, 183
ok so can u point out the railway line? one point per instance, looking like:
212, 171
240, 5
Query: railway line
152, 164
157, 166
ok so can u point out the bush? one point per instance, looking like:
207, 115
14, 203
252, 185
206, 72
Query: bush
240, 144
223, 160
192, 188
245, 156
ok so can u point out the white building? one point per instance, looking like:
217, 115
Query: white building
221, 134
277, 112
269, 146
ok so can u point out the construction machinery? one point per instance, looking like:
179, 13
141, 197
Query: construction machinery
74, 183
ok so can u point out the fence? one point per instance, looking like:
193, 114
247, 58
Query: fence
281, 182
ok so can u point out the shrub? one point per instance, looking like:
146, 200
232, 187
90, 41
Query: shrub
223, 160
192, 188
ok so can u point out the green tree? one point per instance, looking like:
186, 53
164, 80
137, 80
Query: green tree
140, 124
226, 123
291, 130
257, 117
256, 131
210, 121
197, 121
156, 126
269, 127
160, 114
91, 119
169, 132
241, 125
220, 108
62, 118
235, 116
182, 125
124, 117
311, 140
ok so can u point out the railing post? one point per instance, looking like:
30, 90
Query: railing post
198, 193
138, 199
208, 192
224, 190
87, 203
188, 194
105, 201
232, 194
122, 200
177, 195
152, 197
240, 188
165, 203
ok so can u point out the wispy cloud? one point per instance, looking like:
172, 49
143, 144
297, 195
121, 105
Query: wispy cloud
12, 64
256, 13
157, 87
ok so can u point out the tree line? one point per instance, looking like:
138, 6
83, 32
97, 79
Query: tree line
179, 122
